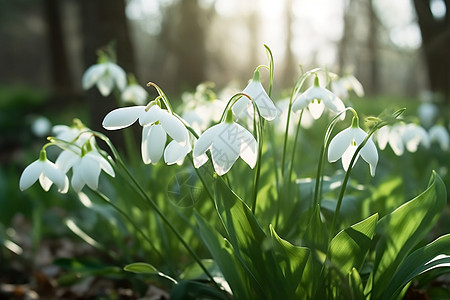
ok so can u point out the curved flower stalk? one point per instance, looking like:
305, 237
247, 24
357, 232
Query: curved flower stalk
157, 124
316, 99
256, 91
439, 134
226, 142
415, 135
105, 75
345, 143
46, 172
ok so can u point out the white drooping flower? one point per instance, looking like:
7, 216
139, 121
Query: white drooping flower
226, 142
439, 134
157, 124
317, 99
105, 75
46, 172
415, 135
427, 113
346, 83
343, 146
135, 94
256, 91
86, 170
392, 135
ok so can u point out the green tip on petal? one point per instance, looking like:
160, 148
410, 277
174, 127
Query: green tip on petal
355, 122
256, 75
43, 155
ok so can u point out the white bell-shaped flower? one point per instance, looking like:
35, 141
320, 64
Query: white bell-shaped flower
135, 94
46, 172
439, 134
105, 75
393, 136
86, 170
226, 142
157, 124
256, 91
415, 135
317, 99
345, 143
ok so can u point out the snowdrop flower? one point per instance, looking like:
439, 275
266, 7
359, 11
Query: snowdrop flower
226, 142
427, 113
393, 136
105, 75
86, 170
46, 172
439, 134
415, 135
345, 143
135, 94
316, 99
157, 123
204, 114
256, 91
347, 83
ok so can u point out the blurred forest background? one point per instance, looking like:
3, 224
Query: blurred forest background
398, 48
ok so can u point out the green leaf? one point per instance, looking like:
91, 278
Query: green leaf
400, 231
141, 268
144, 268
292, 259
349, 247
356, 285
432, 256
186, 290
225, 258
251, 245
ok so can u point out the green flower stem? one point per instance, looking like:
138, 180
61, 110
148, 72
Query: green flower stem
259, 134
271, 69
347, 176
129, 219
153, 205
231, 102
163, 96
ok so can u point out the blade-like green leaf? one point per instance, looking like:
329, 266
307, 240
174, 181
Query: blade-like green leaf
400, 231
356, 285
349, 247
292, 259
141, 268
229, 265
432, 256
251, 245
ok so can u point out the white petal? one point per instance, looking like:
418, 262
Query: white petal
439, 134
396, 142
135, 94
370, 154
118, 75
90, 171
249, 148
77, 182
67, 159
348, 155
382, 137
200, 160
30, 174
300, 103
339, 144
265, 105
102, 162
56, 175
174, 128
316, 108
122, 117
226, 146
92, 75
206, 139
175, 152
45, 182
150, 116
105, 85
153, 143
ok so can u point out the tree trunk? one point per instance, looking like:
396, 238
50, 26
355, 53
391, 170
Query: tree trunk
435, 47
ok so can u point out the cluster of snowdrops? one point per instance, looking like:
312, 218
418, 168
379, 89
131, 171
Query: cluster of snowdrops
221, 132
